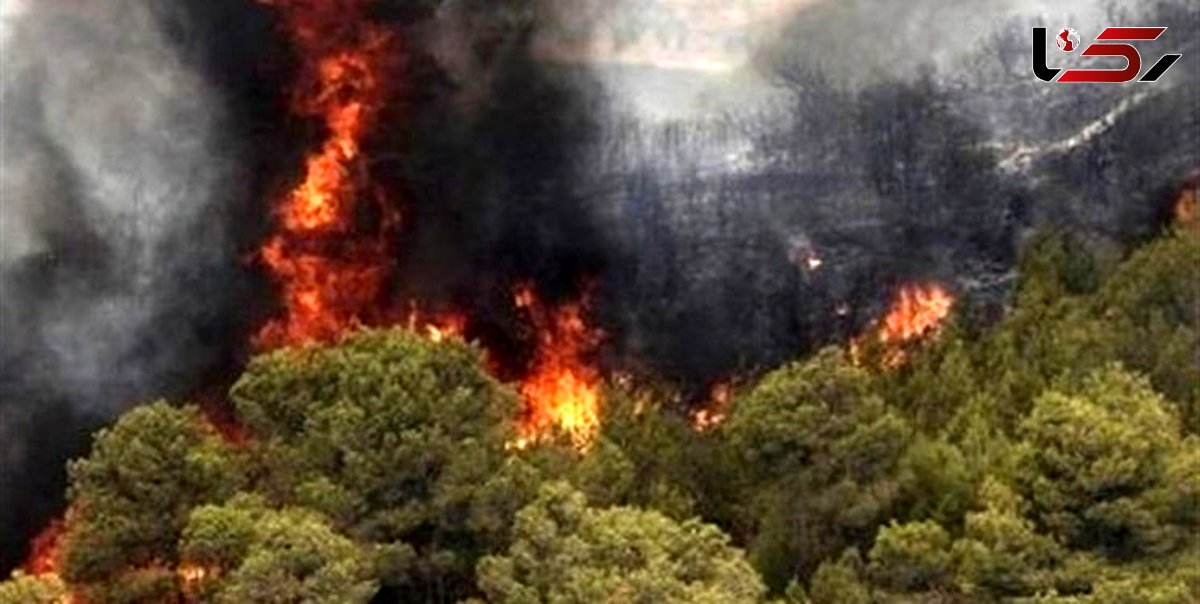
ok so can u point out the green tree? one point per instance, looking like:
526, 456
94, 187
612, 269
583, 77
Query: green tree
567, 552
644, 456
816, 452
21, 588
1153, 305
1001, 553
399, 441
247, 554
840, 582
911, 557
131, 497
1095, 466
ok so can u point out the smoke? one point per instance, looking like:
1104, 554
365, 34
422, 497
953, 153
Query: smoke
744, 211
117, 259
863, 41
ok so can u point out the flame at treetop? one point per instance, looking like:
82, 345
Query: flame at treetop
329, 254
561, 391
45, 548
917, 310
437, 327
45, 556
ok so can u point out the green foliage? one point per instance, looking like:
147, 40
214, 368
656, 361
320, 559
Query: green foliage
911, 557
840, 582
818, 450
1058, 265
1095, 463
255, 555
1001, 553
131, 497
567, 552
1153, 305
26, 589
936, 481
399, 441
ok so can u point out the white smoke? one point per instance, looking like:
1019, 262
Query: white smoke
111, 166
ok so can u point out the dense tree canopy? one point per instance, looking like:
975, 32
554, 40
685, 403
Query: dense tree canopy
563, 551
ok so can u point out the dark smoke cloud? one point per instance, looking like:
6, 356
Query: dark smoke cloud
122, 174
701, 229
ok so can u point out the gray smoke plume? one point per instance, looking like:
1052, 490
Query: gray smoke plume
115, 168
113, 139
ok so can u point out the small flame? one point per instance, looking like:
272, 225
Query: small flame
45, 556
45, 549
191, 575
917, 311
562, 389
437, 327
713, 414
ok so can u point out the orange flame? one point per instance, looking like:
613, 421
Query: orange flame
329, 273
45, 549
917, 311
714, 413
562, 390
191, 577
437, 327
45, 556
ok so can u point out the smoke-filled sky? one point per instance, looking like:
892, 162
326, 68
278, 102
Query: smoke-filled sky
117, 171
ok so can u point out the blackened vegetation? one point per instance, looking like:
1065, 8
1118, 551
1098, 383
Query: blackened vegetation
729, 243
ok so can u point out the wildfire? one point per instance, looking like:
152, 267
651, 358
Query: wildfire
917, 310
714, 413
329, 257
436, 327
562, 389
192, 577
45, 548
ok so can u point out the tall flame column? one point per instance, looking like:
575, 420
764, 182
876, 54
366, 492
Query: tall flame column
329, 254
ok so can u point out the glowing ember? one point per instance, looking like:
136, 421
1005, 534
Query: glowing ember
562, 389
329, 272
917, 311
714, 413
45, 549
